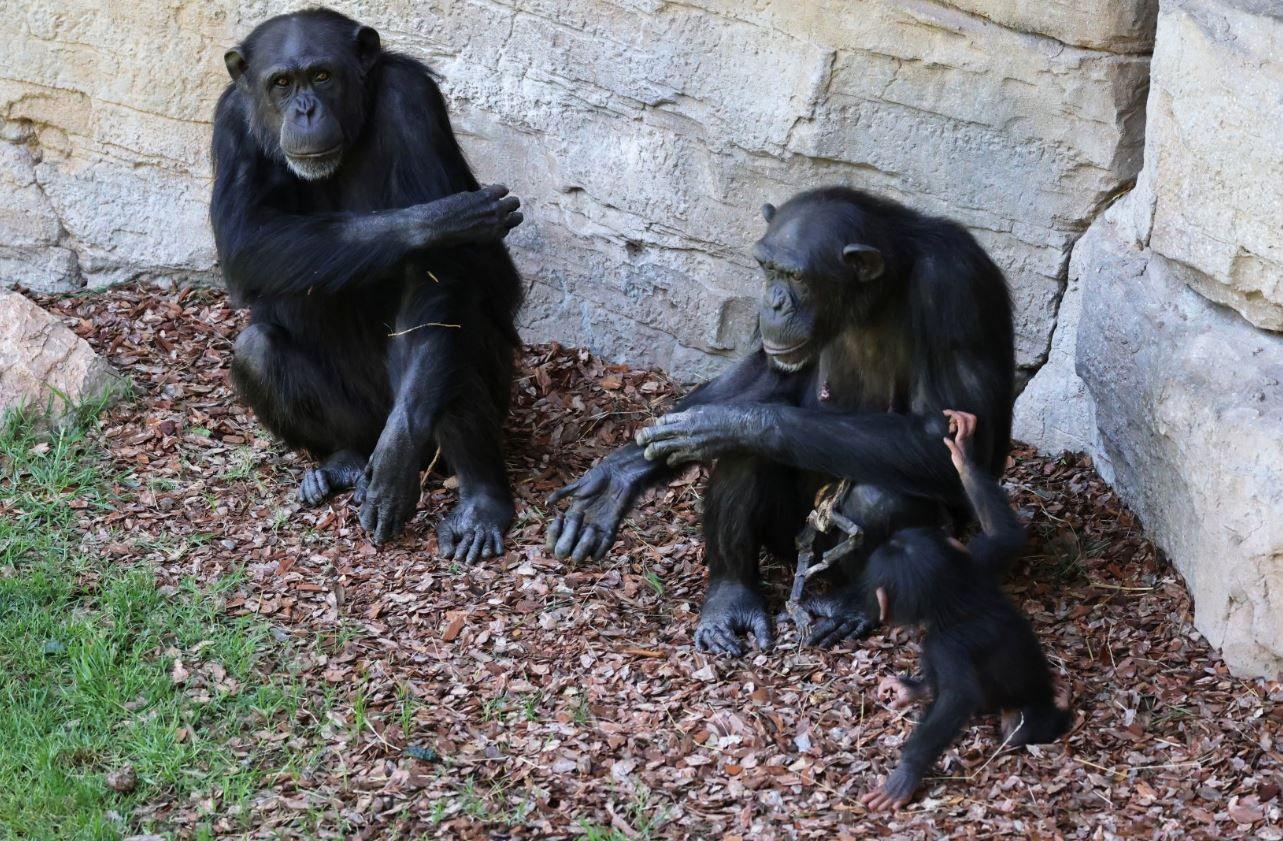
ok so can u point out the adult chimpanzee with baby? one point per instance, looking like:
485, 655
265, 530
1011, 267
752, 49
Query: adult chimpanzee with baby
874, 320
381, 297
979, 654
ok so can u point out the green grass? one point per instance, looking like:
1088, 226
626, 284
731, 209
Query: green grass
642, 815
87, 645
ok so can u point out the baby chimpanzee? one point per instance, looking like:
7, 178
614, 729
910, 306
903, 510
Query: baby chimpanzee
980, 653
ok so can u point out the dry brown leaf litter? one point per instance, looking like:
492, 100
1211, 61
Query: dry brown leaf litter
542, 698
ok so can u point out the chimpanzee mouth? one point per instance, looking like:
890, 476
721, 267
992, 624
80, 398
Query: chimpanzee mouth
788, 359
776, 350
314, 166
312, 156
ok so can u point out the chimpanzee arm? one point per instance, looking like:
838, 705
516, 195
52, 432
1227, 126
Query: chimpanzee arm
899, 452
603, 495
268, 250
958, 697
1001, 534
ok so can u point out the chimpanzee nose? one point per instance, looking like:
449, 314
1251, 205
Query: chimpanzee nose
777, 298
306, 108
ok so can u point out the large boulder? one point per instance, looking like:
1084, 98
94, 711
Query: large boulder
642, 136
1188, 398
1210, 198
45, 366
1180, 400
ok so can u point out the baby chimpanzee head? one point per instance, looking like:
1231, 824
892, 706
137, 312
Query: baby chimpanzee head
917, 576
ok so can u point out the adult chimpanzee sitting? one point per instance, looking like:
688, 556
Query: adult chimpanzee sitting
875, 319
381, 296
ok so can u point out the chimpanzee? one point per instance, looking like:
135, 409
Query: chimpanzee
875, 318
382, 300
980, 654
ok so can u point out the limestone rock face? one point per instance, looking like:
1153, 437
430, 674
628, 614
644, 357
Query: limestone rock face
1189, 401
642, 136
1179, 400
43, 364
1211, 196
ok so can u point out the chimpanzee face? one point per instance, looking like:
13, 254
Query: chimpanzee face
815, 277
307, 85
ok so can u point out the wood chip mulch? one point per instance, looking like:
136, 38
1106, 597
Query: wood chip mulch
529, 697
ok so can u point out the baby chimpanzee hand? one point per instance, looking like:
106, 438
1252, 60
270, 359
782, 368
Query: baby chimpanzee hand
962, 425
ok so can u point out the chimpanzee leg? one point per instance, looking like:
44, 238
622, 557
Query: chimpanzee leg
309, 407
470, 437
750, 501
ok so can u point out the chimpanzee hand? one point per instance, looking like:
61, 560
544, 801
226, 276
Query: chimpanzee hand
388, 493
731, 609
962, 425
841, 617
895, 792
704, 433
484, 215
601, 498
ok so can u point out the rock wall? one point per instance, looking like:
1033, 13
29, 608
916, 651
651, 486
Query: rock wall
1158, 366
642, 135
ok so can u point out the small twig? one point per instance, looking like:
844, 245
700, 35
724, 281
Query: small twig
427, 474
421, 326
1104, 586
1001, 747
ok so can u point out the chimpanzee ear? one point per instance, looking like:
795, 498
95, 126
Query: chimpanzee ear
884, 611
865, 259
768, 211
368, 46
236, 65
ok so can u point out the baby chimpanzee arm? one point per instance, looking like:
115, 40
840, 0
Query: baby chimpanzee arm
959, 697
1002, 536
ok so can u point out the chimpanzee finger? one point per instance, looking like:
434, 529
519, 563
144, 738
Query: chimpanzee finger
563, 492
569, 534
494, 191
445, 541
508, 204
478, 544
718, 640
313, 488
728, 642
496, 543
665, 427
584, 547
513, 220
680, 457
603, 545
554, 529
828, 632
464, 546
762, 633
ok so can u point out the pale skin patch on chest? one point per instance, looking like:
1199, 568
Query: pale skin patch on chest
866, 368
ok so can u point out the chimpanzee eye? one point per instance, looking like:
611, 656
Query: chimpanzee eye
281, 81
322, 76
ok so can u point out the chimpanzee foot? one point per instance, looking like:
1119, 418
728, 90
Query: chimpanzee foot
909, 691
841, 617
732, 609
474, 529
337, 473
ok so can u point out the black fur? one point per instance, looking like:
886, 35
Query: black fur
884, 354
979, 655
331, 266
